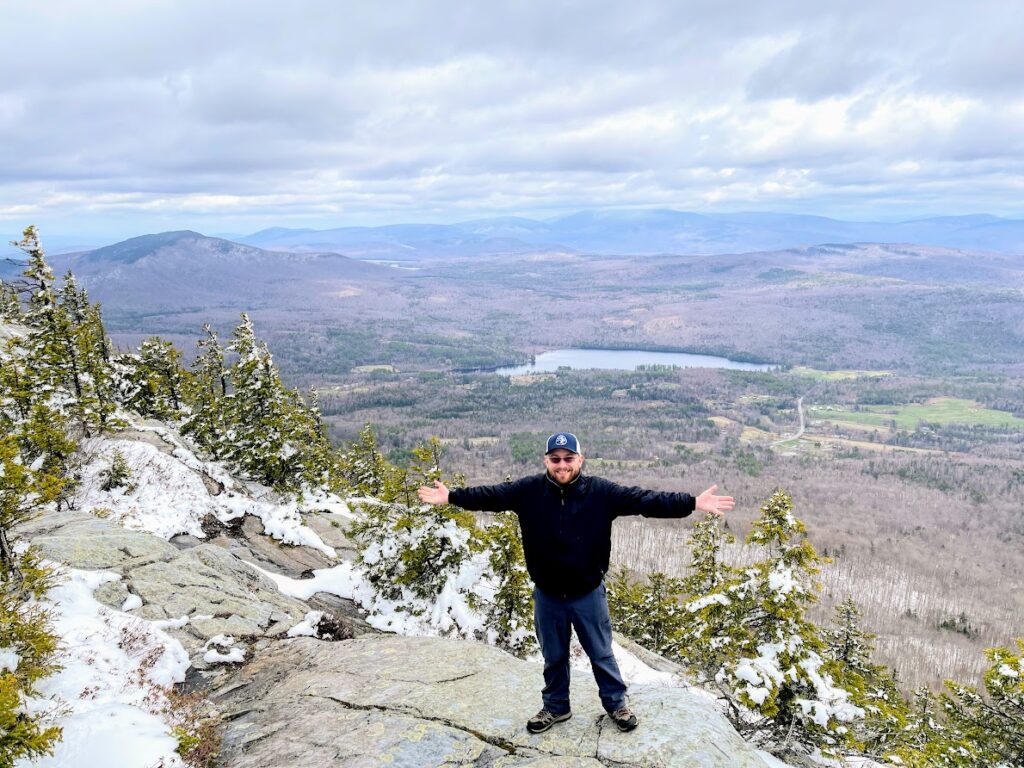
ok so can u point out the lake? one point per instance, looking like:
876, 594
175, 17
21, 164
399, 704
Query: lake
624, 360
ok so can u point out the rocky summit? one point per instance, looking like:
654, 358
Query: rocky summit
427, 701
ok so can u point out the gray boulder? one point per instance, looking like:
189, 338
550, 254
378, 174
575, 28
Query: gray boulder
388, 700
219, 593
83, 540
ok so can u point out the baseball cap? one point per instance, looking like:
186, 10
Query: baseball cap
565, 440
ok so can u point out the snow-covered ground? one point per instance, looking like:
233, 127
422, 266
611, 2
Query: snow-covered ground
111, 693
110, 696
165, 494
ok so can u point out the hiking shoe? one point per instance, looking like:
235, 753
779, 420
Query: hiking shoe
544, 720
624, 719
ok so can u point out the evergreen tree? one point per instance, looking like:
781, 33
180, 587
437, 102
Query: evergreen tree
118, 474
10, 303
206, 392
32, 458
707, 569
156, 380
97, 364
648, 612
510, 613
929, 741
625, 600
991, 724
66, 348
367, 472
271, 434
753, 637
872, 687
708, 611
28, 653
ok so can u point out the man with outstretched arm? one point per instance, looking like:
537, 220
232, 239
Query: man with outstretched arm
566, 521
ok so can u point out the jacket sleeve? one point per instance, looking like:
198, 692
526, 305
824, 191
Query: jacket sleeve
486, 498
631, 500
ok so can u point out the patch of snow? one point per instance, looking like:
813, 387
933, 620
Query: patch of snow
233, 655
177, 623
111, 688
131, 603
307, 627
9, 660
703, 602
321, 501
635, 672
166, 495
782, 582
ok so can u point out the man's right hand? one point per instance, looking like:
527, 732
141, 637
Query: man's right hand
436, 495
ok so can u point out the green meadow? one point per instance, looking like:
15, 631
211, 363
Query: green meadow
939, 410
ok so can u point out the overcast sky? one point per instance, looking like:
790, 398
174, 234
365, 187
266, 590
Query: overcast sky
119, 117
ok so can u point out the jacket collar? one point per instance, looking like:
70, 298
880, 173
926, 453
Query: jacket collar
578, 485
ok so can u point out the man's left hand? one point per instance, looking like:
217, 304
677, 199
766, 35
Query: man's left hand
716, 505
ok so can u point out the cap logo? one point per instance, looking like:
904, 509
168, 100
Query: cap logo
561, 440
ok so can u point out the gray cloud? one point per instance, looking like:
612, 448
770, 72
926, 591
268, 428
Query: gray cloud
245, 115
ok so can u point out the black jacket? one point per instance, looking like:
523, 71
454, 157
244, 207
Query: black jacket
567, 530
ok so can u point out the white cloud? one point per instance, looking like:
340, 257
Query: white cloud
226, 116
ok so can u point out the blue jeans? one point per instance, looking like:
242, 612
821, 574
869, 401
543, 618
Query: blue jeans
588, 615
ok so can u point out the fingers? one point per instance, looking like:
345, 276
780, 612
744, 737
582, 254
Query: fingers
712, 504
436, 495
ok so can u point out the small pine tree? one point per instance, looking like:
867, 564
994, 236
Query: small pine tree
710, 611
367, 472
930, 741
762, 651
25, 487
155, 381
648, 612
991, 724
27, 639
66, 349
30, 646
872, 687
707, 570
206, 392
271, 434
10, 303
510, 612
118, 474
408, 546
625, 598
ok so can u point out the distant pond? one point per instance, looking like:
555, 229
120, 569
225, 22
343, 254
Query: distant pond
623, 360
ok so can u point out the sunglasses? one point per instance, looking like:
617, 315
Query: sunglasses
560, 459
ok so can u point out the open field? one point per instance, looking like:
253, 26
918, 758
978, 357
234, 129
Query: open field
937, 410
835, 375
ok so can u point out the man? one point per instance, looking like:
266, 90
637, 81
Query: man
566, 521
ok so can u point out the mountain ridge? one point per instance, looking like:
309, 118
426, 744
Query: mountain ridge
648, 232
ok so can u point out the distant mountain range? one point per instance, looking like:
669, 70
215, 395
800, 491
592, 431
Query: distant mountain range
610, 232
641, 232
